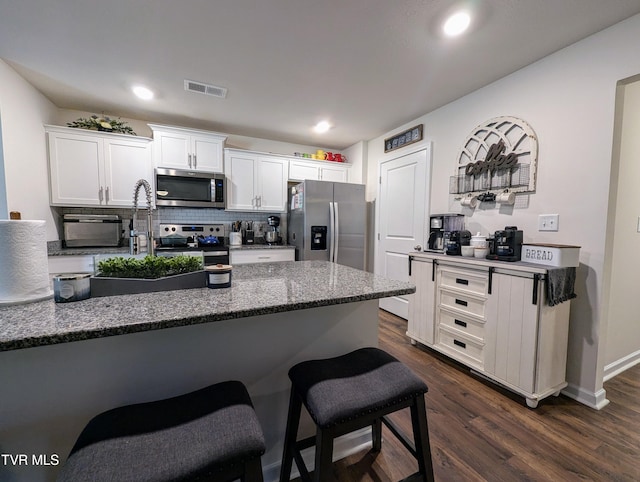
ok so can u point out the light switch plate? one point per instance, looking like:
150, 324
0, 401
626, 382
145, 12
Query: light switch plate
548, 222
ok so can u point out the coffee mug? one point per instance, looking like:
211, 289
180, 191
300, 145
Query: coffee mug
339, 157
319, 154
469, 201
329, 156
506, 197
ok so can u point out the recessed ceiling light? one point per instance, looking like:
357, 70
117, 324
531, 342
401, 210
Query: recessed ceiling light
321, 127
456, 24
142, 92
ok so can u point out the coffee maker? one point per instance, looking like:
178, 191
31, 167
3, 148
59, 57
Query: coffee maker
273, 236
507, 244
455, 240
439, 227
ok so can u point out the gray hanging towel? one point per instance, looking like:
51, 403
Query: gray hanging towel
560, 285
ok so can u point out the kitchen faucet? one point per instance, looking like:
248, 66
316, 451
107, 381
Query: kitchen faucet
133, 236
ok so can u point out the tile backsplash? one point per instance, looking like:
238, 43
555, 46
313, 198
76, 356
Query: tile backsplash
167, 215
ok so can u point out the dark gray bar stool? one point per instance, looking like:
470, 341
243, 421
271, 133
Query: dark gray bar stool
209, 434
348, 393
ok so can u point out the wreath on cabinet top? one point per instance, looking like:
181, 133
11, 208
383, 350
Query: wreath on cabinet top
499, 155
104, 124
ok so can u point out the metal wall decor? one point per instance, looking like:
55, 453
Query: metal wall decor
403, 139
500, 154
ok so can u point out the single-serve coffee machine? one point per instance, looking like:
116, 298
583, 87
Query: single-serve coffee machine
455, 240
507, 244
439, 227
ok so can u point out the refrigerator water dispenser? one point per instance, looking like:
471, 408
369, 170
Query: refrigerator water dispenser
318, 238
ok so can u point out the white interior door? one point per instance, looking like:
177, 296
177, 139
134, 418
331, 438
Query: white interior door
402, 204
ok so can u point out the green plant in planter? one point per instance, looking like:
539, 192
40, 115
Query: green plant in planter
149, 267
106, 124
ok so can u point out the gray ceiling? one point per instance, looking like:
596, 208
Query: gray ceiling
366, 65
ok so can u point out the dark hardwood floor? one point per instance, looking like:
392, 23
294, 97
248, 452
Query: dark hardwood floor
482, 432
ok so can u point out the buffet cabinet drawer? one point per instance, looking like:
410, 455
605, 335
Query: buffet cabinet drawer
464, 324
461, 348
465, 304
470, 281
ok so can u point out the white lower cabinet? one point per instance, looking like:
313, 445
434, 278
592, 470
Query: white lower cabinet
267, 255
420, 327
70, 264
494, 319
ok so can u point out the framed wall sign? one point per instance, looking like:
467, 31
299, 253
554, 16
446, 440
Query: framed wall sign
403, 139
500, 154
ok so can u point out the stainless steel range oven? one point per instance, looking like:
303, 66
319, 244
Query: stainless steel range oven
208, 239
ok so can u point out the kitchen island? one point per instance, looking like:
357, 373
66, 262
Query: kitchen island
61, 364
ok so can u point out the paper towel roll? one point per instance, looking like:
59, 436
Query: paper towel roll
24, 272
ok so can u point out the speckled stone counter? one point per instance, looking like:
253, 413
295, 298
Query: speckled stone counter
256, 289
273, 316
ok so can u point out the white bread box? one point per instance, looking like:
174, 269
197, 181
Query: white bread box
556, 255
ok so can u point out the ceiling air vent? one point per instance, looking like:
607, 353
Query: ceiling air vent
207, 89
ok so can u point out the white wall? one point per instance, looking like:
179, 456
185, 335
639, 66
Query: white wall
141, 128
4, 211
24, 112
623, 335
568, 98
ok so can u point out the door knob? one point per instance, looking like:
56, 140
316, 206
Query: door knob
417, 247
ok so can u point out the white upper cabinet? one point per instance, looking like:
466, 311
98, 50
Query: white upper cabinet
90, 168
255, 182
178, 148
301, 170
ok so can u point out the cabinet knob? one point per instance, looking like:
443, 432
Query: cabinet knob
417, 247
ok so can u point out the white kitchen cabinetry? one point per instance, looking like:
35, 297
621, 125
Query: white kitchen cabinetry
89, 168
70, 264
255, 181
493, 317
257, 255
420, 326
300, 170
178, 148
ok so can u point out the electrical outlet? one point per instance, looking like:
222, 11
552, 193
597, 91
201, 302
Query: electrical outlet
548, 222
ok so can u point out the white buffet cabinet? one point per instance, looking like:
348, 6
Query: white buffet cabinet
493, 317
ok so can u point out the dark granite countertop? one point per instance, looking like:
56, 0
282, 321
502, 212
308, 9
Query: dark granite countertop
54, 248
257, 289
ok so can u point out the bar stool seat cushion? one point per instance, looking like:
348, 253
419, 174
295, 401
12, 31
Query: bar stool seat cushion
343, 388
179, 438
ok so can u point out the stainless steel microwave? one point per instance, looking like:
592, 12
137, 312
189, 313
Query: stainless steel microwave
180, 188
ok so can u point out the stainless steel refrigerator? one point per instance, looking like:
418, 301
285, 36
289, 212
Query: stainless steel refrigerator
327, 221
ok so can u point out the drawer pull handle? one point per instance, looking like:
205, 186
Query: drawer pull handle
461, 302
460, 344
461, 281
461, 323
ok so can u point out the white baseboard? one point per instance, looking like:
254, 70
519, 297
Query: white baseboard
342, 447
597, 400
618, 366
